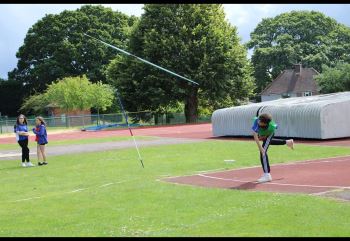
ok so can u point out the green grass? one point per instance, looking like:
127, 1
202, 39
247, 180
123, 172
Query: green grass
138, 204
33, 144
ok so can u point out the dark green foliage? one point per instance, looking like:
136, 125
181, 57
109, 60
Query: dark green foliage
336, 79
11, 94
55, 46
192, 40
306, 37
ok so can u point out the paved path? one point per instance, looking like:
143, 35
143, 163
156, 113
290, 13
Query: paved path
62, 150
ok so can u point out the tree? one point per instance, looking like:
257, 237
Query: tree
35, 104
55, 46
11, 94
192, 40
71, 93
306, 37
103, 96
334, 79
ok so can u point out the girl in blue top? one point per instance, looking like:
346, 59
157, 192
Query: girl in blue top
21, 130
41, 139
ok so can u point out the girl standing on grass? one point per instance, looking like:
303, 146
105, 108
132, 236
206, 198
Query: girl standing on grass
21, 130
41, 139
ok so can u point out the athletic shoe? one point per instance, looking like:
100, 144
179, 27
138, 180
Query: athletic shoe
40, 163
24, 164
29, 164
265, 178
45, 163
290, 144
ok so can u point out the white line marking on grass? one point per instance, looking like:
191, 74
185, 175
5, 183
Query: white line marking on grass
11, 154
74, 191
77, 190
321, 160
273, 183
26, 199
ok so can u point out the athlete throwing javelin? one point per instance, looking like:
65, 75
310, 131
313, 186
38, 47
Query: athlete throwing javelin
263, 130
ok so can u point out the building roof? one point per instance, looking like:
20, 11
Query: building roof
294, 80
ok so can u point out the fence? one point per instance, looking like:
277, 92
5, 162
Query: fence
83, 121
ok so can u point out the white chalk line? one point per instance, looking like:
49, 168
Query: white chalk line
77, 190
26, 199
73, 191
304, 162
274, 183
329, 191
14, 154
219, 169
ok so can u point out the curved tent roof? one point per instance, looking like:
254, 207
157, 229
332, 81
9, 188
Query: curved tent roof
318, 117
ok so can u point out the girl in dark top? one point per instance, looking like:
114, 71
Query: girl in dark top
21, 130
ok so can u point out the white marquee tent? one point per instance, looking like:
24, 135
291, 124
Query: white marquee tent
317, 117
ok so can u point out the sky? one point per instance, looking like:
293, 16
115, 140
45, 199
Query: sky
16, 19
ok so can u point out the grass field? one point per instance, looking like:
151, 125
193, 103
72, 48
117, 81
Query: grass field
32, 144
110, 194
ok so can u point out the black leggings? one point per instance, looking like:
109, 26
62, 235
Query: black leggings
25, 150
266, 143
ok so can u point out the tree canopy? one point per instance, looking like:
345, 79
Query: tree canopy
11, 95
71, 93
192, 40
306, 37
55, 46
334, 79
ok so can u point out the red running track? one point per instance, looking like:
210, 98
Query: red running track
312, 177
200, 131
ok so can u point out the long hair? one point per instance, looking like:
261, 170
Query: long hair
24, 119
41, 120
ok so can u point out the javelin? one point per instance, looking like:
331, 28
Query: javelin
145, 61
126, 119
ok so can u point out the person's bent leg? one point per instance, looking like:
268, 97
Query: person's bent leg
289, 143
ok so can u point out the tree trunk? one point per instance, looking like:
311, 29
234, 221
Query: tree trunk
191, 106
98, 116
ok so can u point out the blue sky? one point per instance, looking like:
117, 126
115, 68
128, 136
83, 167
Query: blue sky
16, 19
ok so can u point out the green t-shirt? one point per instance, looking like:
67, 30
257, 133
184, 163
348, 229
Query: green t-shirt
264, 132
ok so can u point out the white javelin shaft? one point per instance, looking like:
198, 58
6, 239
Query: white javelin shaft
145, 61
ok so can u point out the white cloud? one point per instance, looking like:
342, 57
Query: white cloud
16, 19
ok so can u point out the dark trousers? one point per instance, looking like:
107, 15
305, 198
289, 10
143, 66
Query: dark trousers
25, 150
264, 159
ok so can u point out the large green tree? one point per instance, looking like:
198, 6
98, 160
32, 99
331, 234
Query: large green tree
334, 79
192, 40
306, 37
55, 47
11, 94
